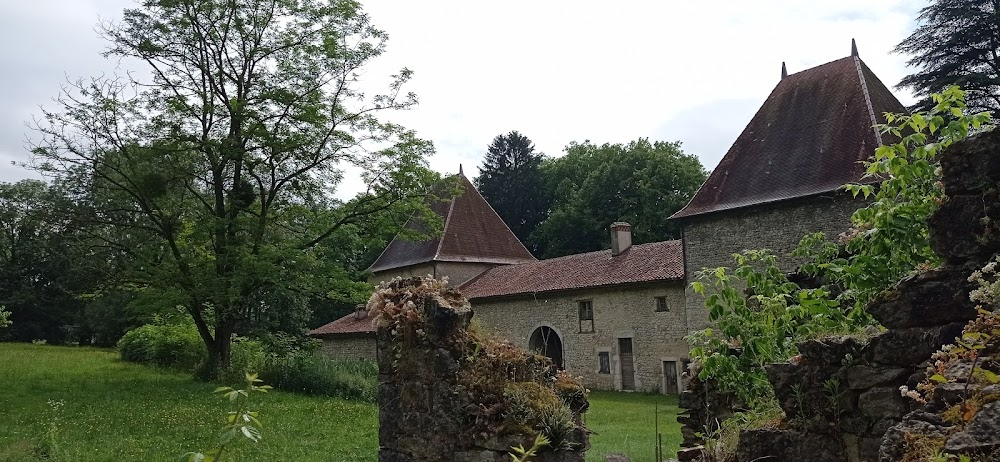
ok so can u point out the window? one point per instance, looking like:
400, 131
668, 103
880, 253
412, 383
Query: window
605, 360
586, 316
661, 304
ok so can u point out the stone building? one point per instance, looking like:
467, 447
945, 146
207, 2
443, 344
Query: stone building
618, 317
473, 240
614, 317
783, 177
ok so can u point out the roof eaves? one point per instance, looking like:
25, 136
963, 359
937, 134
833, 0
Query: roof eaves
571, 289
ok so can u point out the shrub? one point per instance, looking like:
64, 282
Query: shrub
300, 370
177, 346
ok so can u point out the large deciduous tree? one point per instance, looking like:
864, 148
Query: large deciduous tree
511, 181
957, 42
642, 183
227, 157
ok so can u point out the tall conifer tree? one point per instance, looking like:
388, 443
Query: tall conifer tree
511, 180
956, 43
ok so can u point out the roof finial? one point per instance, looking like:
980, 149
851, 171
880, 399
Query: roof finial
854, 48
460, 170
784, 71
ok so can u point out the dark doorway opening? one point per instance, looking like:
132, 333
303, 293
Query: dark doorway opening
627, 366
546, 341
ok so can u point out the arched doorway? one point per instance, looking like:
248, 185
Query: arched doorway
546, 341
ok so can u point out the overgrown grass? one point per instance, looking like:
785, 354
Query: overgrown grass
114, 411
624, 423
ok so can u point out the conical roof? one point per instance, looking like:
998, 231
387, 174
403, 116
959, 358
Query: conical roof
473, 232
808, 137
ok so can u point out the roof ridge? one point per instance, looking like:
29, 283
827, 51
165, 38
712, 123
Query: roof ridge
444, 229
868, 98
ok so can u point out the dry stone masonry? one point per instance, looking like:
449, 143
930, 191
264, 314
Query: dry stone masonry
841, 397
448, 393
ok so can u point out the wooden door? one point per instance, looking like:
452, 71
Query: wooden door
628, 366
670, 377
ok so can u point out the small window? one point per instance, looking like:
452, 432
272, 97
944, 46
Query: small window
661, 304
605, 360
586, 316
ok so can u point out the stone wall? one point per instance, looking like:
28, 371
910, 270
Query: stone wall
413, 271
448, 394
710, 240
457, 272
619, 312
349, 347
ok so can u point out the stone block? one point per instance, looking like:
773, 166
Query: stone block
931, 298
981, 436
971, 165
789, 445
862, 377
961, 228
911, 346
690, 454
883, 402
828, 351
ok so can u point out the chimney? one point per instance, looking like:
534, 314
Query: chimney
360, 311
621, 237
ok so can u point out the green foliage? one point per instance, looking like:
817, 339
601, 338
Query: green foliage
956, 43
511, 181
240, 422
890, 238
4, 317
117, 410
758, 316
519, 454
217, 177
640, 182
170, 345
299, 369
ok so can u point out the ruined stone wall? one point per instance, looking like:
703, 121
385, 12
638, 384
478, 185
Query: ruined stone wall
348, 347
447, 394
619, 312
710, 241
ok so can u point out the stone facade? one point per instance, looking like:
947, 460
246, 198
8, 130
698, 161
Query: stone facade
621, 312
710, 240
349, 347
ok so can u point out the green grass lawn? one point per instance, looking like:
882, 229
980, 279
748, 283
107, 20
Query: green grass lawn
625, 423
116, 411
119, 411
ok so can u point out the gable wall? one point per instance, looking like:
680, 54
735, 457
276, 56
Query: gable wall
349, 347
624, 311
457, 272
709, 242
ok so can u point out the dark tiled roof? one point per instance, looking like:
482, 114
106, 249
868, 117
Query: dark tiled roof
656, 261
473, 232
349, 324
808, 137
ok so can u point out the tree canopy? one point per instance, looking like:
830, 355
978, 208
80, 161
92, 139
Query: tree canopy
226, 161
640, 182
511, 181
956, 43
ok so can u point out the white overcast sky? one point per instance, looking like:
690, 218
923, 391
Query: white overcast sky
555, 70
